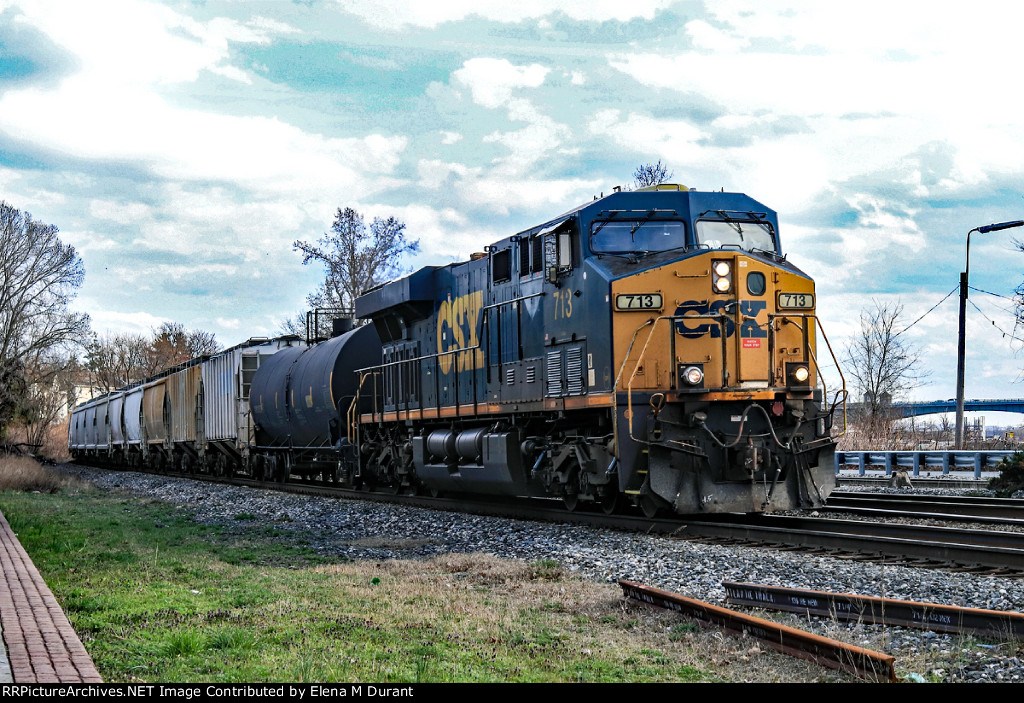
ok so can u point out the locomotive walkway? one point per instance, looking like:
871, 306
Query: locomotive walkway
40, 645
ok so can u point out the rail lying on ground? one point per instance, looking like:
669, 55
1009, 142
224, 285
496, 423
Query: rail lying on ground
878, 611
821, 650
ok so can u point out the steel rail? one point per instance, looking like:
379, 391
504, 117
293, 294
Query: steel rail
798, 643
951, 499
861, 528
967, 506
878, 611
893, 510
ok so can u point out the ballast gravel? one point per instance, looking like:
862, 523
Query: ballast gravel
379, 531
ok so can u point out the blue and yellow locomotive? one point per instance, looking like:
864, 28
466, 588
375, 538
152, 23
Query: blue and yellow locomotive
653, 347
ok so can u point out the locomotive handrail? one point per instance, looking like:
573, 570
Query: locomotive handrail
380, 368
418, 358
843, 391
514, 300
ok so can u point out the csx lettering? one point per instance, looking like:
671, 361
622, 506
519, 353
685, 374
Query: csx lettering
458, 327
701, 326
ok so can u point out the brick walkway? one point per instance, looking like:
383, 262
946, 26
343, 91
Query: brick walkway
41, 645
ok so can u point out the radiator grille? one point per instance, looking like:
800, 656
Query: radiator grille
554, 372
574, 370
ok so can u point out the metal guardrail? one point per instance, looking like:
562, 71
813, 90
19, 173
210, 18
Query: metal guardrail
930, 460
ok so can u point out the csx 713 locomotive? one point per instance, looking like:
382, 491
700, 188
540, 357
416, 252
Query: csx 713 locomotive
652, 347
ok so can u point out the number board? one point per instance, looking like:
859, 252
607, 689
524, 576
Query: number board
796, 301
638, 301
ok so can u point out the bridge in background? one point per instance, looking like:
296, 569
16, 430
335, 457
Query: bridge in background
934, 407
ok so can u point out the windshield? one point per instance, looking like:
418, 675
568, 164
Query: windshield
618, 236
715, 234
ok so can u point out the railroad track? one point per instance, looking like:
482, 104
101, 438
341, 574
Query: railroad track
985, 551
995, 511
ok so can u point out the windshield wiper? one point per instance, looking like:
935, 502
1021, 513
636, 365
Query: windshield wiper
641, 223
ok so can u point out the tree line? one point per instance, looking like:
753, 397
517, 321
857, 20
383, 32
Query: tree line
49, 356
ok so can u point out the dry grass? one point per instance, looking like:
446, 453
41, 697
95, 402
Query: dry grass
54, 442
22, 473
478, 597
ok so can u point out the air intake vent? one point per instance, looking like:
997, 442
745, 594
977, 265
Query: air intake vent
554, 373
574, 371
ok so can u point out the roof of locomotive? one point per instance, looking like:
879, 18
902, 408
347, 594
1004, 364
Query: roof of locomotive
686, 203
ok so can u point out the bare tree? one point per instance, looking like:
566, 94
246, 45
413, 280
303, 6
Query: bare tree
650, 175
39, 276
172, 344
48, 393
882, 364
117, 361
355, 257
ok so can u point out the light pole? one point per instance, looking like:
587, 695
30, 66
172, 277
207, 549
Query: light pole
963, 316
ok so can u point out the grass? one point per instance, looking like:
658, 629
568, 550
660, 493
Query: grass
22, 473
157, 597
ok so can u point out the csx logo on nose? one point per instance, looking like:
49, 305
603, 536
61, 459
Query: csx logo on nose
701, 326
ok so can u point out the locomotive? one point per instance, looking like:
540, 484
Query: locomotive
652, 348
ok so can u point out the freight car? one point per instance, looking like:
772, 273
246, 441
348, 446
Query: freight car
652, 347
192, 417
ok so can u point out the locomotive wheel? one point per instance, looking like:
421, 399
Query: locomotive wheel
609, 502
649, 506
571, 497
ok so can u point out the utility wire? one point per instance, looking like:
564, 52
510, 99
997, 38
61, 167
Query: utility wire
955, 289
980, 290
1004, 333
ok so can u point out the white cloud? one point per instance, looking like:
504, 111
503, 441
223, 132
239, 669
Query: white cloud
396, 14
232, 323
537, 195
493, 81
433, 173
120, 212
112, 322
120, 113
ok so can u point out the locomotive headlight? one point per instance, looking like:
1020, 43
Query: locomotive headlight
690, 376
721, 278
797, 374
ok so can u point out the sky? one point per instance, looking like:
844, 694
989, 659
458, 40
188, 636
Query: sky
182, 147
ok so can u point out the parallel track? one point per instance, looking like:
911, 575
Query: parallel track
996, 511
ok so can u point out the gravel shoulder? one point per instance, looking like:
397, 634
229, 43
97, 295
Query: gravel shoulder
363, 530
